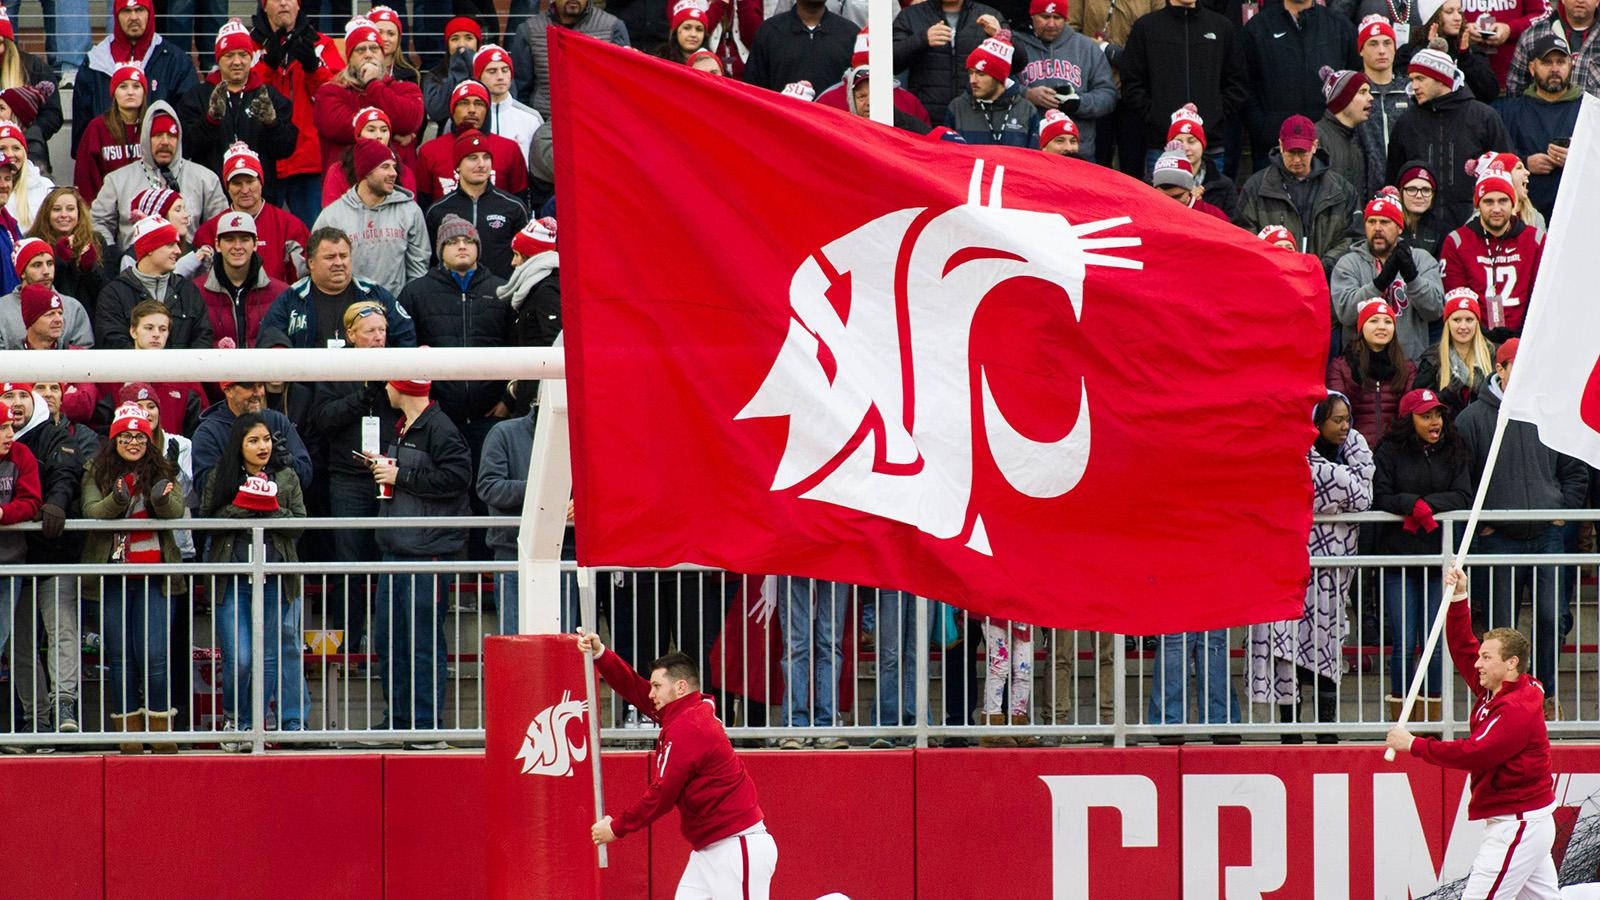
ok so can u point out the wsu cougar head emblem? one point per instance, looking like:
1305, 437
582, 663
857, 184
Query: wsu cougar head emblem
546, 750
903, 351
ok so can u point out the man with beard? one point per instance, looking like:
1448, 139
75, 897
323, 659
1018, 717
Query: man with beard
436, 160
388, 237
167, 66
1541, 119
1387, 266
1495, 254
530, 54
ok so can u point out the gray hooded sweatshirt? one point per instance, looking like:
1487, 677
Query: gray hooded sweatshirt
77, 332
200, 187
388, 244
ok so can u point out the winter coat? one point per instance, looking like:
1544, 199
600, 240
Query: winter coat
1009, 120
1475, 71
538, 313
1430, 231
1516, 15
1283, 54
291, 320
291, 505
77, 332
434, 481
784, 50
1373, 405
236, 311
1459, 394
1074, 60
243, 119
191, 325
19, 500
1585, 62
1532, 123
854, 10
336, 428
1527, 474
1417, 303
211, 435
447, 316
503, 477
300, 87
1389, 102
98, 545
200, 187
100, 153
1179, 55
530, 57
1315, 641
281, 241
1439, 474
338, 103
497, 215
1264, 200
1112, 22
59, 466
436, 167
167, 66
388, 243
1506, 265
1345, 154
1220, 191
1444, 133
938, 75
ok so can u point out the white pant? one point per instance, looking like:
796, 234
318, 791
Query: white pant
1514, 861
734, 868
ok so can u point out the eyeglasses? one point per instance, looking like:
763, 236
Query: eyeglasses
1418, 191
132, 437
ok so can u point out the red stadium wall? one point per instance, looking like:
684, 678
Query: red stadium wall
1204, 822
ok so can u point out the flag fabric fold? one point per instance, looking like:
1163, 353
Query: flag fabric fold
802, 343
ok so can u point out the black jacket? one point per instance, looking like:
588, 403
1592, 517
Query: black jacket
191, 322
1220, 191
60, 475
1283, 55
1445, 133
497, 215
336, 428
1266, 200
34, 70
204, 141
1170, 61
647, 20
435, 480
447, 316
539, 316
1408, 470
1527, 474
785, 51
936, 75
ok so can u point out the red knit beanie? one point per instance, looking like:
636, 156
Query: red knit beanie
369, 155
413, 388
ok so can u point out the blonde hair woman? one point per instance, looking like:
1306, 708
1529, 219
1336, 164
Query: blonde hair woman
31, 186
1463, 360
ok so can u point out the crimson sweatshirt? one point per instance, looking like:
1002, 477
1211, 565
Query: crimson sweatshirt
1508, 752
100, 154
1506, 265
693, 765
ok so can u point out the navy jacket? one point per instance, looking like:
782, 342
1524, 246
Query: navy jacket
1533, 123
291, 320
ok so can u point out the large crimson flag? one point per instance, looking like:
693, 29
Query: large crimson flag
802, 343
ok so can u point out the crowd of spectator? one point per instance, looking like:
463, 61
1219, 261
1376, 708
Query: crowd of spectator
391, 183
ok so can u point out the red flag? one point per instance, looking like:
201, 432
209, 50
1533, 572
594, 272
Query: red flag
807, 344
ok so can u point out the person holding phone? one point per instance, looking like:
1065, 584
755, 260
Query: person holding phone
1541, 119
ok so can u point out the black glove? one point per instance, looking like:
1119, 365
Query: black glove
1408, 264
54, 519
1386, 275
1070, 103
377, 394
120, 492
273, 43
302, 48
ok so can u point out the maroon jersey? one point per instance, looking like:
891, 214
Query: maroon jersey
1502, 266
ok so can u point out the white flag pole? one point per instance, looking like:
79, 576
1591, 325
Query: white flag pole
880, 60
588, 613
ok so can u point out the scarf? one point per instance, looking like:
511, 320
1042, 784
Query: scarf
527, 277
139, 546
124, 50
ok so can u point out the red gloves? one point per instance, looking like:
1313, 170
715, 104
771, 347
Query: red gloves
1421, 518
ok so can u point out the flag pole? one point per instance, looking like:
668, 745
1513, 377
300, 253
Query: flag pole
586, 612
1460, 559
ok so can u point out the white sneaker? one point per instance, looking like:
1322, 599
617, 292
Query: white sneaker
233, 746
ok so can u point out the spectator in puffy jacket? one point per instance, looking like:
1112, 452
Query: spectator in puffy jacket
495, 215
530, 55
280, 237
1573, 20
1066, 71
1443, 31
933, 52
806, 43
428, 470
1496, 254
310, 312
993, 110
152, 277
1285, 46
1298, 191
1348, 108
361, 84
1372, 371
1390, 97
1541, 119
297, 60
534, 290
1460, 363
1527, 475
237, 291
1384, 265
1422, 470
388, 237
455, 305
168, 70
1445, 129
235, 103
1212, 74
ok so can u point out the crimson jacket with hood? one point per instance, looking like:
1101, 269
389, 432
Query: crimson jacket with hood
692, 767
19, 499
236, 311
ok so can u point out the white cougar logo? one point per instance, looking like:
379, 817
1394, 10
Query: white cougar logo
922, 472
547, 750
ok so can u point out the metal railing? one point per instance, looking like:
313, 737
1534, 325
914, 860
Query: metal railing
788, 661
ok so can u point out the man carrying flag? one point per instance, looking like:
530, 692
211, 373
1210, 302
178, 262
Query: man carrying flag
693, 767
